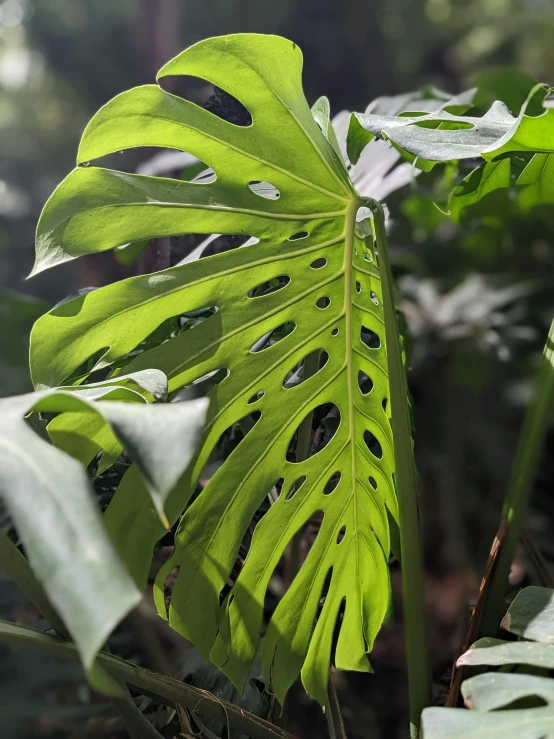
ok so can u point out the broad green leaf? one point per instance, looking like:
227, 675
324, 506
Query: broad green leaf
531, 615
457, 723
134, 525
495, 652
494, 690
536, 182
309, 287
50, 498
441, 136
480, 182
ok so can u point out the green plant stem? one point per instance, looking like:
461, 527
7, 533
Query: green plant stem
523, 474
166, 688
415, 619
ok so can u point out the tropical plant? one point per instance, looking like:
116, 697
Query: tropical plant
307, 297
521, 688
292, 335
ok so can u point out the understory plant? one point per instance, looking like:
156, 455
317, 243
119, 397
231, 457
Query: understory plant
292, 336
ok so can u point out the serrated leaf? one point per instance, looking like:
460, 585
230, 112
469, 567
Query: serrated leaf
495, 652
457, 723
531, 615
50, 497
328, 301
495, 690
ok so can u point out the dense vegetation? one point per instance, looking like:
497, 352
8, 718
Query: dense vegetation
288, 326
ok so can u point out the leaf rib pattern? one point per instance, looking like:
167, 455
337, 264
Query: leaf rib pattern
331, 302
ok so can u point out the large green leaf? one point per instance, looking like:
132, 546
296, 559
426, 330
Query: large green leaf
50, 498
309, 287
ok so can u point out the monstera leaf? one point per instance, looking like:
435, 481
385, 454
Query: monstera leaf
50, 498
442, 135
304, 300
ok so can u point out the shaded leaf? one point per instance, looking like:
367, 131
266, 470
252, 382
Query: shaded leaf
457, 723
498, 689
531, 615
536, 182
49, 496
480, 182
495, 652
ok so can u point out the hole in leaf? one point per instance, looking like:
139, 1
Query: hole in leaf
269, 286
365, 383
373, 445
368, 257
323, 302
201, 386
296, 375
295, 487
384, 404
370, 338
327, 416
230, 439
337, 630
372, 482
273, 337
264, 189
257, 396
208, 96
340, 535
298, 236
334, 332
190, 247
318, 263
332, 483
324, 591
374, 297
358, 287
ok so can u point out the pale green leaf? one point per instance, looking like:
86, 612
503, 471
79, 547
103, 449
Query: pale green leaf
442, 136
495, 652
480, 182
494, 690
457, 723
307, 285
50, 498
531, 615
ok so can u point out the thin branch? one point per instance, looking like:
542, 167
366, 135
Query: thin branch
523, 475
166, 688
